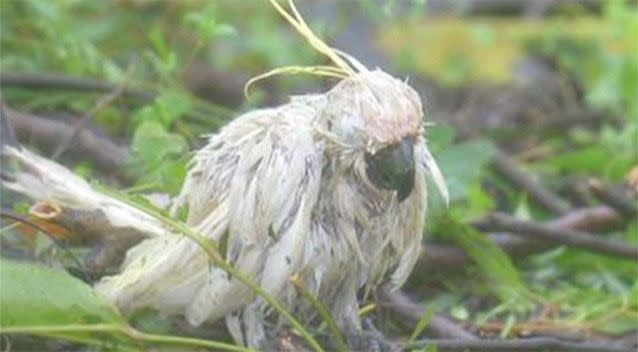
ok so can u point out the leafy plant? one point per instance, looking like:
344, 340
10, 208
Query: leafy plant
39, 300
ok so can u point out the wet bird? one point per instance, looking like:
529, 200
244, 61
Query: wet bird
329, 187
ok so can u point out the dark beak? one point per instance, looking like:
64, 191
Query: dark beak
392, 168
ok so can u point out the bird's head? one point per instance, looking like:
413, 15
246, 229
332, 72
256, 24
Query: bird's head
378, 119
374, 119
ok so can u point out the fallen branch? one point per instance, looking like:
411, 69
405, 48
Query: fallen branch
517, 345
47, 81
572, 238
613, 198
526, 8
437, 257
439, 326
537, 192
512, 170
101, 103
90, 228
106, 155
44, 230
55, 81
7, 135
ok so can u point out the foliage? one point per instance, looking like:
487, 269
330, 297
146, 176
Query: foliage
156, 57
148, 45
457, 49
54, 297
42, 301
591, 292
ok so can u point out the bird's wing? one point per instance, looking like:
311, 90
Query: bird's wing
252, 189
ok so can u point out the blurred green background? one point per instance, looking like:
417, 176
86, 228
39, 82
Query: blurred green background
551, 84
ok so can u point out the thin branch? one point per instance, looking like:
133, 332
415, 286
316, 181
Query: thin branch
440, 326
539, 193
576, 239
202, 109
51, 236
438, 257
90, 228
106, 155
101, 103
513, 171
613, 198
7, 135
517, 345
56, 81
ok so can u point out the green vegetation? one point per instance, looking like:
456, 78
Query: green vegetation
159, 47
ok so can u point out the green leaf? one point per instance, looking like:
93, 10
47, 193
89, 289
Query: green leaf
440, 136
493, 262
478, 204
462, 164
35, 296
423, 323
39, 300
166, 58
460, 313
166, 109
205, 24
159, 156
152, 144
597, 160
620, 325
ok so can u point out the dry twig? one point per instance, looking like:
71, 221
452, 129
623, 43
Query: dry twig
572, 238
106, 155
513, 172
440, 326
613, 198
44, 230
436, 257
56, 81
101, 103
517, 345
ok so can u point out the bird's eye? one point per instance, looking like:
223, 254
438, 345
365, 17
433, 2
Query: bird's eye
392, 168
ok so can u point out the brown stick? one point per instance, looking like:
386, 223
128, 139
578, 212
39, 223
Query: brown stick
21, 219
572, 238
516, 345
440, 326
101, 103
56, 81
613, 198
437, 257
103, 152
541, 195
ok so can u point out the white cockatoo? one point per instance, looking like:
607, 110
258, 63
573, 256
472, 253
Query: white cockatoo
329, 187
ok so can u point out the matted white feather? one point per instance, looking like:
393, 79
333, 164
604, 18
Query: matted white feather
287, 192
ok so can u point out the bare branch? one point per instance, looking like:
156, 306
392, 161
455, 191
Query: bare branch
440, 326
56, 81
541, 195
437, 257
577, 239
516, 345
7, 136
21, 219
103, 152
101, 103
613, 198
